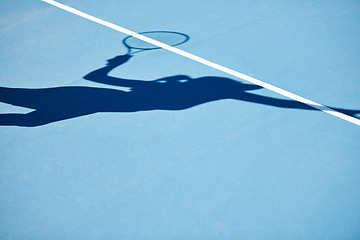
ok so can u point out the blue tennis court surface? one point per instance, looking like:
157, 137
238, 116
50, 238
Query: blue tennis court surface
89, 154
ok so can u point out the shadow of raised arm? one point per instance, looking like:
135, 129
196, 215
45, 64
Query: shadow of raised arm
101, 75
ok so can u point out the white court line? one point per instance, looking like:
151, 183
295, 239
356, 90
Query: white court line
208, 63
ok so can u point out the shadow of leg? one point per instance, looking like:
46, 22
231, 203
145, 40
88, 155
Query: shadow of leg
353, 113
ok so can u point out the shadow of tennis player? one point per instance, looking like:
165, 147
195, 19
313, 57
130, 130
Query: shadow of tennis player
170, 93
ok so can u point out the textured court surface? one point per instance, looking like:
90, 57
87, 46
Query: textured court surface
226, 169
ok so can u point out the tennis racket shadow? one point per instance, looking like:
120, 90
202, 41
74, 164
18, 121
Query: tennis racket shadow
171, 93
147, 41
134, 45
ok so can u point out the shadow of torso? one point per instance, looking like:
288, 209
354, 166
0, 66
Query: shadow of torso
170, 93
149, 95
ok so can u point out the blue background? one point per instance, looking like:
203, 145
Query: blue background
221, 170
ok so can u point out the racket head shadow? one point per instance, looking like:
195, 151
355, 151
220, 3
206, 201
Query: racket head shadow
170, 38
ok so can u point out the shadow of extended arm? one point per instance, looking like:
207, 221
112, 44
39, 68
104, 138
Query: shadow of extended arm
101, 75
283, 103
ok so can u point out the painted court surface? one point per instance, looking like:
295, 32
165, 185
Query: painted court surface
218, 162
